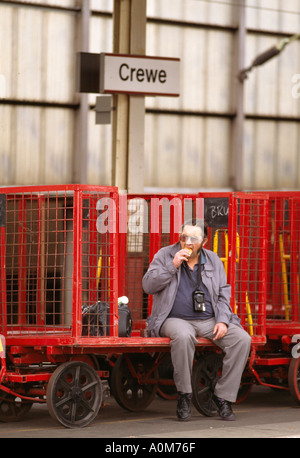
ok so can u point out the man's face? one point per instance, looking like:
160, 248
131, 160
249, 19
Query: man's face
191, 237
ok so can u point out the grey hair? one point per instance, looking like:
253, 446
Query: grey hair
196, 222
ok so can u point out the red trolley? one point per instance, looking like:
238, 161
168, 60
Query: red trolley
68, 253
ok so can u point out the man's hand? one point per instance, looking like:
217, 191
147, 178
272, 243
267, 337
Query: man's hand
180, 256
220, 330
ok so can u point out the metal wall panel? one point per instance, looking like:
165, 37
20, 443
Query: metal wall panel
36, 45
275, 15
100, 39
268, 89
188, 152
206, 66
38, 67
6, 139
7, 31
58, 145
101, 32
183, 150
52, 3
99, 161
205, 11
36, 145
102, 5
272, 159
271, 147
59, 67
189, 148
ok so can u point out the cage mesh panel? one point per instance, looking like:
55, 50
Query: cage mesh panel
98, 273
250, 265
57, 257
61, 252
148, 230
248, 300
283, 258
38, 242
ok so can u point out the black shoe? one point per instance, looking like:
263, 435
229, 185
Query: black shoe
224, 408
184, 411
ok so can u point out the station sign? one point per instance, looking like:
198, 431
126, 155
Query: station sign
129, 74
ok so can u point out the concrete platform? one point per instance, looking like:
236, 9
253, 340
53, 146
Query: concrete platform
266, 413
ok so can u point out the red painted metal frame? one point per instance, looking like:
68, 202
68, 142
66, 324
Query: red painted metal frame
118, 259
282, 327
239, 204
71, 335
156, 240
26, 348
3, 322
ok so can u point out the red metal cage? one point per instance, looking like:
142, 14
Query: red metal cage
68, 253
52, 253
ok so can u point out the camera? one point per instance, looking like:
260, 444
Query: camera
199, 301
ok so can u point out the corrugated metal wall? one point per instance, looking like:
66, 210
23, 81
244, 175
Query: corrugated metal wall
100, 137
272, 127
192, 149
37, 112
188, 140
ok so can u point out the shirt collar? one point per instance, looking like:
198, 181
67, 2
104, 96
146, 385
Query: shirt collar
203, 257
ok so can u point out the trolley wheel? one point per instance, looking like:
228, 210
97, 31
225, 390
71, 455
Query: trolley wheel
13, 408
294, 379
206, 372
127, 385
74, 394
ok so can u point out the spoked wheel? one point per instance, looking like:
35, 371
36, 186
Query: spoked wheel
74, 394
133, 383
13, 408
206, 373
294, 379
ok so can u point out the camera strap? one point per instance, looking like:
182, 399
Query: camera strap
187, 269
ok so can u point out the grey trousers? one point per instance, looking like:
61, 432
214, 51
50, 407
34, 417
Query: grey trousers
235, 344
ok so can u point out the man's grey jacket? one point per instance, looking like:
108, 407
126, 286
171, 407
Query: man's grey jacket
162, 281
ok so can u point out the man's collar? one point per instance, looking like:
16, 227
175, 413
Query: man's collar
203, 257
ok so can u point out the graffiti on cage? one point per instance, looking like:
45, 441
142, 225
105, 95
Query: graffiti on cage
296, 86
216, 211
296, 348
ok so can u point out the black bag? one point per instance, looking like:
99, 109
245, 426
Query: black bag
95, 320
125, 321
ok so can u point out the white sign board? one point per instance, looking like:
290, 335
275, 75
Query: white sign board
146, 75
